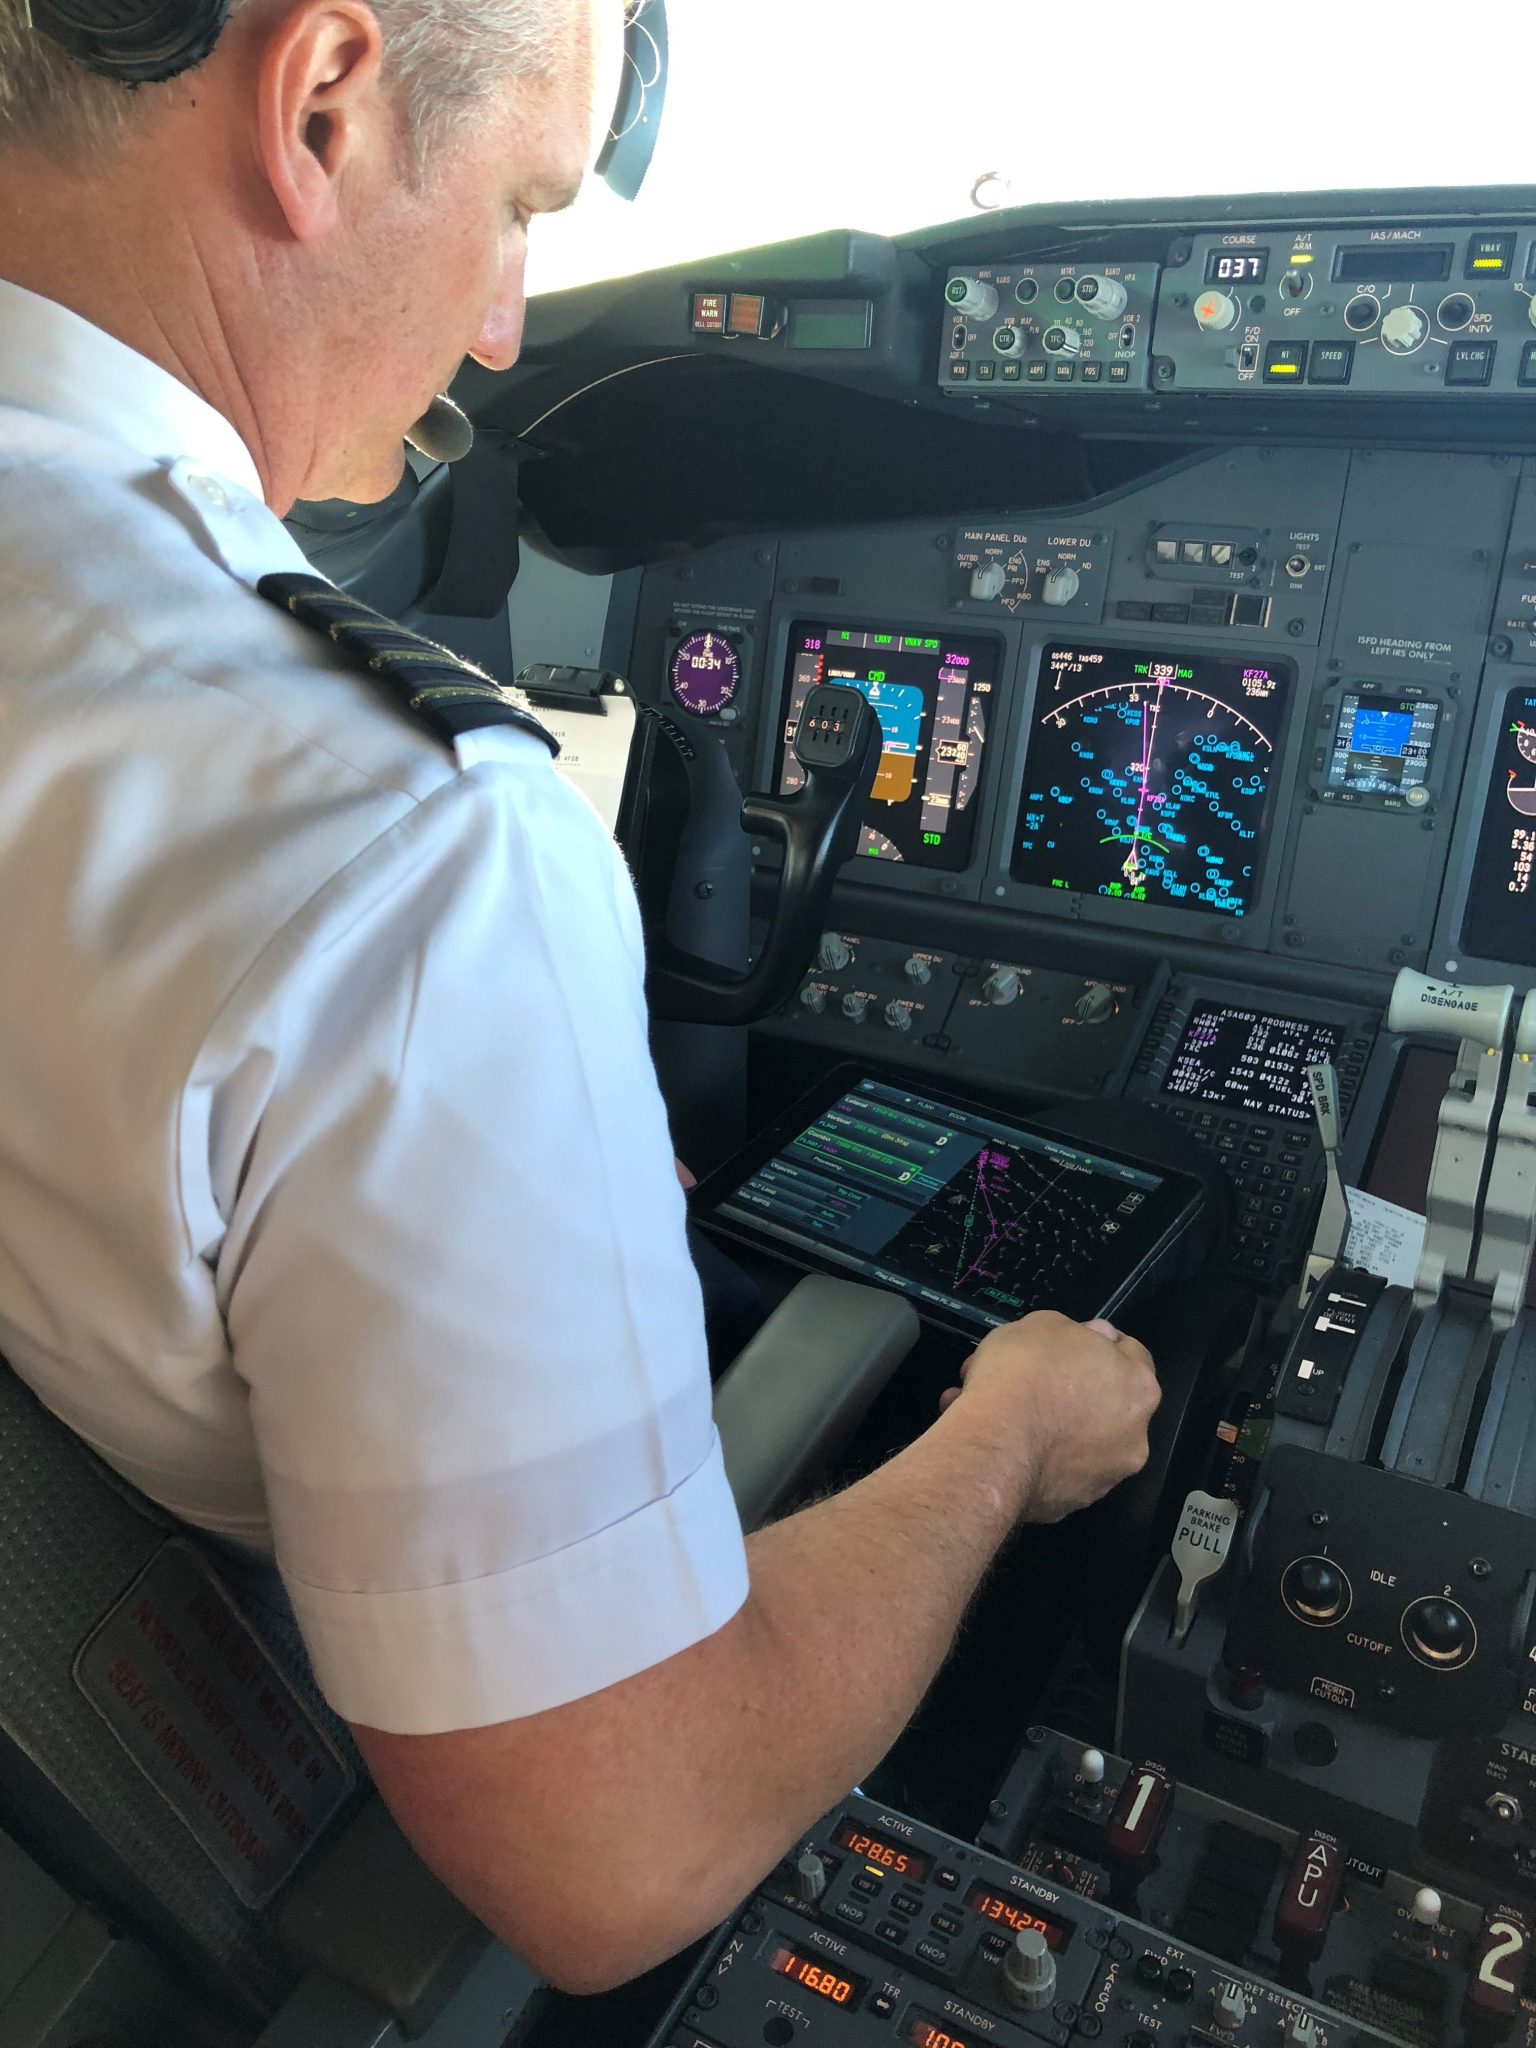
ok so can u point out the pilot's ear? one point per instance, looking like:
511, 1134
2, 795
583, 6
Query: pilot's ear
319, 74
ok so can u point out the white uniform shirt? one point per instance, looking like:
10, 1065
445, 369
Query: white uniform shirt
337, 1208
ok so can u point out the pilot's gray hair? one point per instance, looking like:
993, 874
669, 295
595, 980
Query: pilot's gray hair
444, 57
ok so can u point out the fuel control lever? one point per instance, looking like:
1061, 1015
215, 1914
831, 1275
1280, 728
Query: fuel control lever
837, 742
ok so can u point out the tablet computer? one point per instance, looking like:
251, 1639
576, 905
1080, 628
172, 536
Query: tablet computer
977, 1217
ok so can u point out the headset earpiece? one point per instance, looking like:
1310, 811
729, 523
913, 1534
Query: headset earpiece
135, 42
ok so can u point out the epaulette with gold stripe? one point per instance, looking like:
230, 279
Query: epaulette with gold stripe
445, 693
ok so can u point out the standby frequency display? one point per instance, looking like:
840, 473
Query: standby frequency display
933, 696
1500, 922
976, 1219
1149, 777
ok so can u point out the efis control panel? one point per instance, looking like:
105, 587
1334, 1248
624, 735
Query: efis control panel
1028, 326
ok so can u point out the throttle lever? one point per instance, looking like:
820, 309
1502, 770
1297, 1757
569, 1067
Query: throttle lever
837, 742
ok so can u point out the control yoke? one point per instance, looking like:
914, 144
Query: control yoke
837, 742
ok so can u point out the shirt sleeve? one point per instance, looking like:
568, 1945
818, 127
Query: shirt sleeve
456, 1278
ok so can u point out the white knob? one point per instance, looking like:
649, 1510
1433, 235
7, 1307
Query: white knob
832, 956
1061, 586
898, 1016
1300, 2031
810, 1877
1001, 987
988, 580
856, 1008
1215, 312
1029, 1972
1229, 2008
1530, 311
918, 970
814, 999
1103, 296
1427, 1906
1404, 329
969, 295
1090, 1767
1062, 341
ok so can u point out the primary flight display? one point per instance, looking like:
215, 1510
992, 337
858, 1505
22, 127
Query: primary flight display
1149, 777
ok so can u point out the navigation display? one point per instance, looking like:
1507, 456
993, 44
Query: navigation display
1500, 922
1149, 777
977, 1220
1382, 745
1245, 1060
933, 697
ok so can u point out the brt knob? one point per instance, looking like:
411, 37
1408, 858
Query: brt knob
898, 1016
970, 295
1440, 1633
1404, 329
1001, 987
1215, 312
1229, 2008
1029, 1972
832, 956
810, 1877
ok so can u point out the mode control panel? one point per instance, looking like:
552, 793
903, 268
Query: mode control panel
1043, 326
1401, 311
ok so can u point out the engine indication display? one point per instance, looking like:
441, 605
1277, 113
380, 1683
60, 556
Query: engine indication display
932, 695
1382, 746
1149, 777
1500, 922
705, 677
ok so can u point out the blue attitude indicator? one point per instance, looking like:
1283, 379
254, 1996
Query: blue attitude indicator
706, 675
1149, 777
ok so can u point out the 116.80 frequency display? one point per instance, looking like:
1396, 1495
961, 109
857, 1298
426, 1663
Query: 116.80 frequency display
1149, 778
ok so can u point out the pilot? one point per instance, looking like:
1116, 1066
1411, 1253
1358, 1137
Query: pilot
337, 1203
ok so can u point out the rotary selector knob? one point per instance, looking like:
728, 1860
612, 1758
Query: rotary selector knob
898, 1016
1216, 312
1530, 311
1404, 329
1001, 987
1105, 297
1029, 1972
814, 999
810, 1877
855, 1008
971, 296
1440, 1634
1316, 1591
918, 970
1096, 1004
1300, 2031
988, 580
1061, 586
1229, 2008
832, 955
1062, 341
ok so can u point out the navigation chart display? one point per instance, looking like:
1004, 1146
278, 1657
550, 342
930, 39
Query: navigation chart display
1500, 923
1149, 778
978, 1221
933, 697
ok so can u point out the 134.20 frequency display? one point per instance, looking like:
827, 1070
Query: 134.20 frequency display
1149, 777
932, 694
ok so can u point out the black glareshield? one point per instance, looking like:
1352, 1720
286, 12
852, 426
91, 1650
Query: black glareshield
838, 745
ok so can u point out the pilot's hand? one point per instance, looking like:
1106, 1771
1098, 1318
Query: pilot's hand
1078, 1396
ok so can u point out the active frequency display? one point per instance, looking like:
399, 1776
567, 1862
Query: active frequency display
1500, 923
1243, 1059
933, 697
977, 1221
1149, 777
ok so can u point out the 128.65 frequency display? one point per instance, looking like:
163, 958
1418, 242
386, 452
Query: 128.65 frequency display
1149, 778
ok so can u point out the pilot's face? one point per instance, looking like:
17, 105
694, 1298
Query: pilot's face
448, 257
